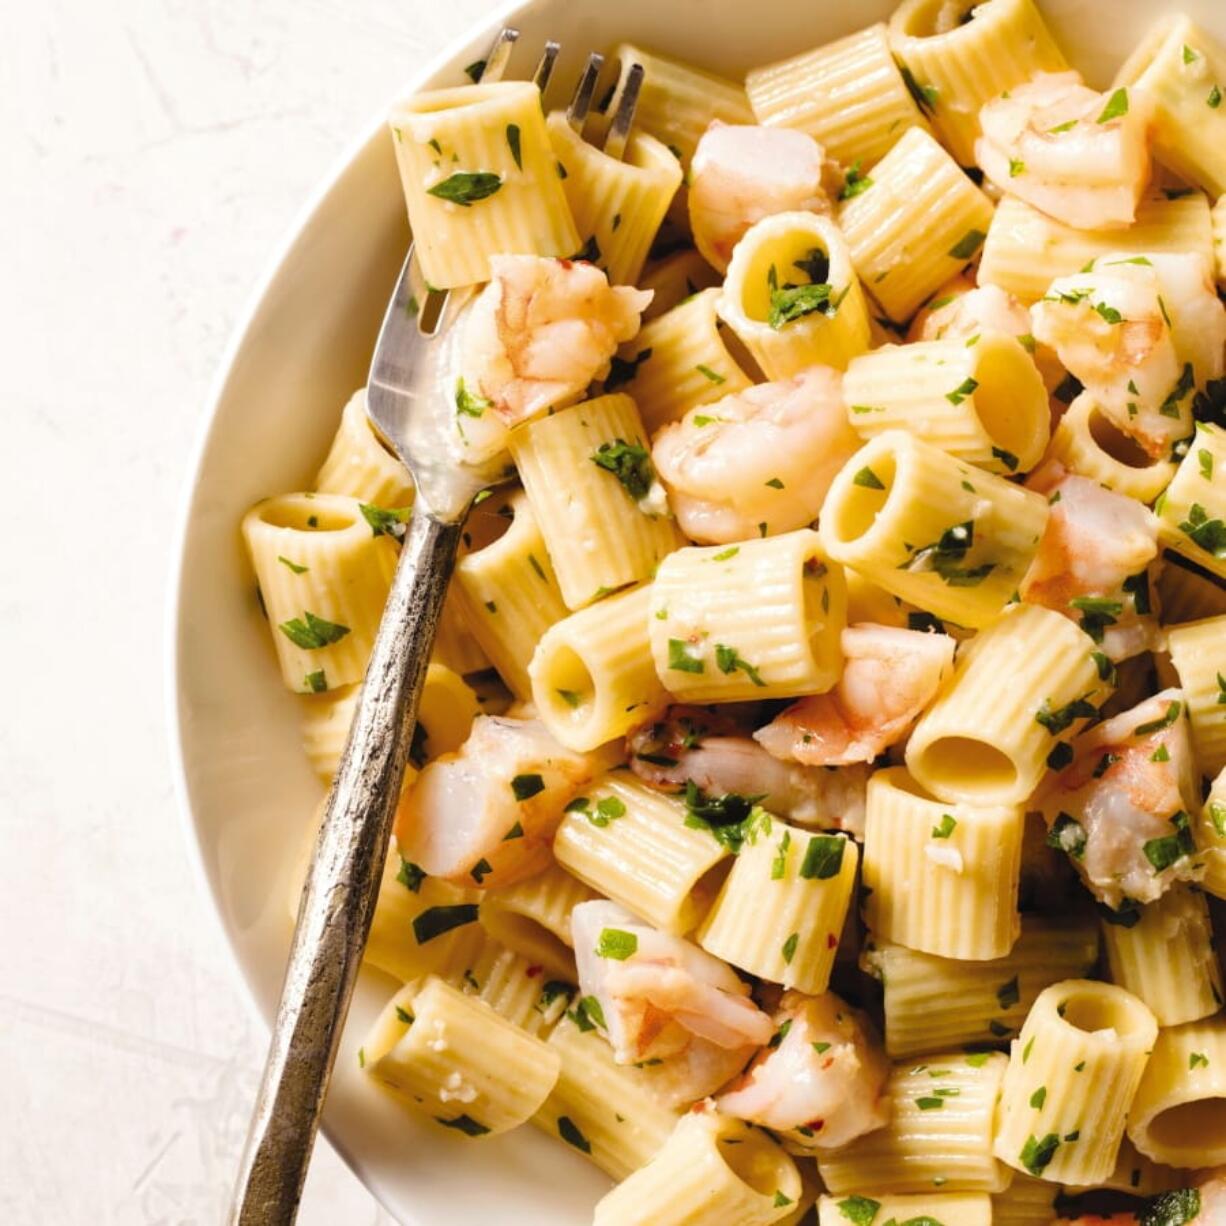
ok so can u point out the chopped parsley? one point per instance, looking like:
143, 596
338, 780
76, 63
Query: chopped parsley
527, 786
708, 373
1117, 105
1062, 718
316, 682
967, 245
1067, 834
681, 657
780, 863
1208, 534
466, 187
385, 521
855, 182
729, 819
468, 404
298, 570
1016, 167
962, 391
1007, 458
1215, 98
435, 921
924, 96
513, 144
788, 949
1038, 1098
1060, 756
410, 875
1097, 613
1037, 1154
1162, 853
823, 857
481, 870
1165, 720
311, 632
569, 1133
588, 1014
630, 463
945, 555
1176, 1208
859, 1210
729, 660
945, 827
617, 944
1204, 457
1008, 994
622, 371
792, 302
867, 479
465, 1124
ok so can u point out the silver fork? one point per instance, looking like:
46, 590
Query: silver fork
408, 401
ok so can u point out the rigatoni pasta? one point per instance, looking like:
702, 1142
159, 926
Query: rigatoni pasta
1192, 506
1198, 652
360, 466
948, 1208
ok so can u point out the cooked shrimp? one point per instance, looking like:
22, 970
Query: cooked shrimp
658, 993
486, 815
826, 1075
1212, 1202
1120, 809
536, 336
1095, 542
715, 753
1080, 156
761, 459
889, 677
740, 174
1141, 332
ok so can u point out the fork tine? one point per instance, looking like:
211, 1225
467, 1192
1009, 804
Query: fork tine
499, 55
627, 104
544, 68
581, 103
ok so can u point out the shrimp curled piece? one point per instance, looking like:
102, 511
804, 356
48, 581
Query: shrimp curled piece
889, 677
1068, 150
536, 336
764, 456
740, 174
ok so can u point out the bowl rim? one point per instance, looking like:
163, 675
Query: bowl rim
477, 35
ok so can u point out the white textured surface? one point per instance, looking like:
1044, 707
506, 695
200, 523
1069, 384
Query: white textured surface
154, 155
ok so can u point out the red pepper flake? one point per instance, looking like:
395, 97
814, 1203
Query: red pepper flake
827, 1062
533, 971
832, 942
816, 1125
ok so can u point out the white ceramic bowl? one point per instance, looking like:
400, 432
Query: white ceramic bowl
244, 781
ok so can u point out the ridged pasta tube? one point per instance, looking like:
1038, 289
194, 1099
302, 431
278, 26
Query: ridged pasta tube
324, 576
761, 619
1192, 508
849, 95
947, 1208
454, 644
783, 905
1218, 217
445, 716
1025, 1202
1087, 442
679, 361
359, 465
674, 279
617, 204
1026, 250
1181, 67
1072, 1074
480, 178
1177, 1114
766, 301
936, 1004
1135, 1175
1167, 959
939, 1134
930, 529
981, 400
1209, 831
711, 1169
532, 918
633, 845
941, 878
611, 1113
588, 476
593, 676
1198, 652
918, 225
956, 66
458, 1060
1023, 684
510, 595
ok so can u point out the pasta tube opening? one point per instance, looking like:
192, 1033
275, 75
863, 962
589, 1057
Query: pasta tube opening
1186, 1126
853, 517
982, 765
304, 513
1084, 1006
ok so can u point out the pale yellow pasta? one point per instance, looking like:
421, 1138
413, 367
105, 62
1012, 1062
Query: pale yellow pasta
593, 676
1177, 1115
1020, 686
1072, 1074
941, 878
601, 534
948, 1208
513, 985
771, 256
510, 595
782, 907
1088, 443
1184, 595
958, 65
866, 602
713, 644
1198, 652
1192, 508
678, 101
674, 279
935, 1004
680, 361
711, 1169
1136, 1174
323, 578
1025, 1202
930, 529
939, 1134
1026, 250
632, 844
920, 222
457, 1060
1209, 831
1167, 959
1181, 67
1218, 215
618, 205
532, 918
480, 179
849, 95
611, 1113
981, 400
359, 465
